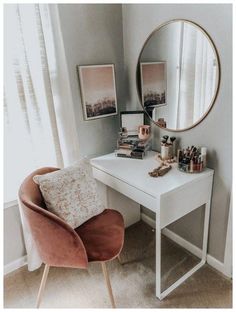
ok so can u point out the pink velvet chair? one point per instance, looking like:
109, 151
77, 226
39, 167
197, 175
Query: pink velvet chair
99, 239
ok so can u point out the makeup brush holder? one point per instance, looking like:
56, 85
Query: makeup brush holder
166, 152
192, 160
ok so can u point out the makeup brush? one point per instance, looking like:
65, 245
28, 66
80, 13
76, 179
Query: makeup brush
172, 142
165, 137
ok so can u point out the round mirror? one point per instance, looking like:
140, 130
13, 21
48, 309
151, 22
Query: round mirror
178, 75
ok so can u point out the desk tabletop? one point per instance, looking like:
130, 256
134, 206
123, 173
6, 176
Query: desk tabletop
135, 172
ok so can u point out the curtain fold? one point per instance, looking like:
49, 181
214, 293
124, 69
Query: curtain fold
198, 76
39, 120
33, 258
60, 83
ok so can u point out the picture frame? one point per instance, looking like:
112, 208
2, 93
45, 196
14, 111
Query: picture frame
153, 84
131, 120
98, 90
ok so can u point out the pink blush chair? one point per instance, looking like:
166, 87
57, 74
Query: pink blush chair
99, 239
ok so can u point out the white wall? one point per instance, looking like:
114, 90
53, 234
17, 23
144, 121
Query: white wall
215, 132
92, 34
13, 236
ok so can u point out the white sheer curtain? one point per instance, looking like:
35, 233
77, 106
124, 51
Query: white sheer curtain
205, 73
60, 82
197, 77
31, 135
39, 120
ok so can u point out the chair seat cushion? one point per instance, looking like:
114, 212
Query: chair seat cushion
103, 235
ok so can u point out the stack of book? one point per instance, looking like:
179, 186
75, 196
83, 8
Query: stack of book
132, 147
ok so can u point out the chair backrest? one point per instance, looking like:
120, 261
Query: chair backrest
57, 242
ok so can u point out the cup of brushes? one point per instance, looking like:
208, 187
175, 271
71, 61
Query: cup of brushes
167, 147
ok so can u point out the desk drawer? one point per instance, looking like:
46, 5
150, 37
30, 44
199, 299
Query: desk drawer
126, 189
185, 199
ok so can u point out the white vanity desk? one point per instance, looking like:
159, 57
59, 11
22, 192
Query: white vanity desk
170, 197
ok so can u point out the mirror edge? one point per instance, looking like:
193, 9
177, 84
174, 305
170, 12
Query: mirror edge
218, 73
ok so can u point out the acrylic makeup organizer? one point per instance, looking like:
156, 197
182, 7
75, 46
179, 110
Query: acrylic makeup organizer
192, 160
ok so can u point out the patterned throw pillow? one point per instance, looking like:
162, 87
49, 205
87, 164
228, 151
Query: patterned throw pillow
71, 193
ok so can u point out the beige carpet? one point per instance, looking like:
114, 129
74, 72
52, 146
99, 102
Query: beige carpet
133, 282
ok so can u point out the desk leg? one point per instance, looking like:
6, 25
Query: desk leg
163, 294
206, 230
158, 255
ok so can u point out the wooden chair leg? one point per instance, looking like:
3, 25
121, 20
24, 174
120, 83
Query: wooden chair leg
42, 285
119, 259
108, 283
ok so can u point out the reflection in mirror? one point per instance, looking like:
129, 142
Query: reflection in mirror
179, 75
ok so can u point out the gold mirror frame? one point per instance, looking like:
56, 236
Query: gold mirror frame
138, 86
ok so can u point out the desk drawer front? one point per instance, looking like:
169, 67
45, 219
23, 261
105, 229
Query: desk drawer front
126, 189
178, 203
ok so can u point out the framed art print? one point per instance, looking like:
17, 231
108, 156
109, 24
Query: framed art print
153, 84
98, 90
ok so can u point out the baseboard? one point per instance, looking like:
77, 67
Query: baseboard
216, 264
182, 242
148, 220
14, 265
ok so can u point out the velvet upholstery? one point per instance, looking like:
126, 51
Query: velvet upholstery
99, 239
103, 235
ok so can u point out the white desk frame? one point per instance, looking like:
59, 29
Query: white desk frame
170, 197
